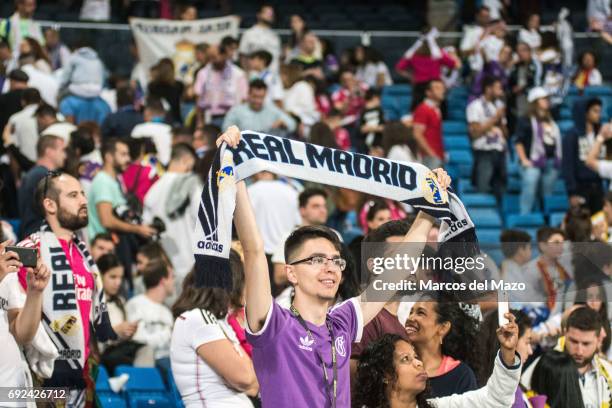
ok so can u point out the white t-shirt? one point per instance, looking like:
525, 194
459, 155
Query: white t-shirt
300, 100
530, 37
261, 38
11, 366
197, 382
47, 84
161, 134
95, 10
604, 169
401, 153
369, 73
179, 230
480, 111
25, 131
155, 326
275, 205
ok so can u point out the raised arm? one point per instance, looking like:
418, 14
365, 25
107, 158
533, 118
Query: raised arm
417, 237
258, 290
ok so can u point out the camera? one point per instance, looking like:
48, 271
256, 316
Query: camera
159, 225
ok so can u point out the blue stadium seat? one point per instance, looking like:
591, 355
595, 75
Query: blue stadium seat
485, 218
457, 114
397, 90
457, 143
556, 219
565, 125
106, 396
461, 157
487, 236
560, 187
466, 186
595, 90
145, 387
454, 127
511, 204
555, 203
533, 220
479, 200
174, 392
496, 254
565, 113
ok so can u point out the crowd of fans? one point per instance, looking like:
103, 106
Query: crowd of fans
119, 163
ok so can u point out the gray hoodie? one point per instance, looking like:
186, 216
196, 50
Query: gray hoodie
84, 74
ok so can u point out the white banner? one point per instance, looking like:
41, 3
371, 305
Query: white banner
176, 40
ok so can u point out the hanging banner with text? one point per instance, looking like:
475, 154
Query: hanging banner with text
176, 40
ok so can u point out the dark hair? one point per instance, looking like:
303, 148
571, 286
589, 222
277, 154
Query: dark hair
38, 52
375, 205
110, 146
257, 84
153, 273
45, 110
30, 96
389, 229
556, 376
372, 93
53, 191
375, 371
584, 53
590, 258
578, 225
154, 251
46, 142
322, 135
102, 236
155, 105
125, 96
463, 330
107, 262
581, 299
263, 55
214, 300
18, 75
488, 344
226, 42
593, 102
489, 81
512, 240
396, 133
299, 236
181, 150
140, 146
585, 319
544, 233
237, 268
308, 193
431, 82
82, 140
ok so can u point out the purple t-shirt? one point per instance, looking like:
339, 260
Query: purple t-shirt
287, 367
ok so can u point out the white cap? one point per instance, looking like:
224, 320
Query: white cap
536, 93
61, 129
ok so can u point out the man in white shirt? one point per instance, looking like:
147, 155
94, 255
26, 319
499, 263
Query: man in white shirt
262, 37
472, 35
174, 199
20, 314
516, 247
23, 125
154, 318
259, 68
487, 126
155, 128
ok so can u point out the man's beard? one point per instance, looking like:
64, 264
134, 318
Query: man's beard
72, 222
585, 362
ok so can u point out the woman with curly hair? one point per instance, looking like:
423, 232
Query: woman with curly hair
443, 335
390, 374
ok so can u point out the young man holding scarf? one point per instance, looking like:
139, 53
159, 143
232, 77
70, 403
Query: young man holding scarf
314, 341
73, 305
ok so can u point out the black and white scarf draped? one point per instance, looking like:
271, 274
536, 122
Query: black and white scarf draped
410, 183
60, 312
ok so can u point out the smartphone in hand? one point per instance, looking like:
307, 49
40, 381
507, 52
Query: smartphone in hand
503, 307
27, 256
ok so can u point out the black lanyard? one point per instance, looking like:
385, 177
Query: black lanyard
333, 392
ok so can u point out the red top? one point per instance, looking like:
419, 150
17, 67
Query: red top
356, 102
146, 178
430, 116
424, 68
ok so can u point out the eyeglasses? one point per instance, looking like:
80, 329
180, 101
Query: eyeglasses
320, 260
50, 174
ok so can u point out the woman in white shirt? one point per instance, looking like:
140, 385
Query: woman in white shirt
300, 97
530, 33
371, 69
208, 364
601, 167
